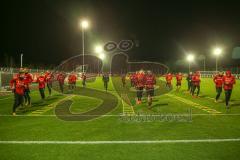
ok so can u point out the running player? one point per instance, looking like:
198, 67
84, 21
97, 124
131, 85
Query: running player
179, 80
74, 80
228, 82
150, 81
41, 85
169, 80
84, 78
140, 82
189, 81
218, 80
196, 80
18, 85
28, 80
105, 79
49, 80
61, 78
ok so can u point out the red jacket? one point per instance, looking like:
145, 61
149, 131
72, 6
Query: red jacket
228, 82
18, 85
41, 82
60, 78
218, 80
140, 80
150, 81
72, 78
28, 79
49, 77
196, 79
179, 77
169, 78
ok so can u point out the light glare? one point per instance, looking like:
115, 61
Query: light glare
84, 24
190, 58
217, 51
98, 49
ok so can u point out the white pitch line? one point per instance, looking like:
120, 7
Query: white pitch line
115, 115
125, 142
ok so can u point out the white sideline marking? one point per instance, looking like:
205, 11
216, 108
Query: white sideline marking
117, 115
125, 142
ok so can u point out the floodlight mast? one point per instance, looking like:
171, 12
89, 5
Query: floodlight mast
84, 24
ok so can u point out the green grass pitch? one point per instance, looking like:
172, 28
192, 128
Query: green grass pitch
36, 133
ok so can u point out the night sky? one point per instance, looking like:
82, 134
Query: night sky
47, 32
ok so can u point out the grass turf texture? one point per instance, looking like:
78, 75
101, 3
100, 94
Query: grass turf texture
204, 125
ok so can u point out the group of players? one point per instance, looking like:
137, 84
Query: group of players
223, 81
21, 82
143, 80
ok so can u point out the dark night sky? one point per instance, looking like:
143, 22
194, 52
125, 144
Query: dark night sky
47, 32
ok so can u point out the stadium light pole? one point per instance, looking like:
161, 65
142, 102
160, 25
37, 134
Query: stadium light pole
84, 25
190, 59
21, 60
217, 52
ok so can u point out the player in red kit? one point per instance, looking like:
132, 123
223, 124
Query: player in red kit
150, 81
28, 80
41, 85
49, 80
179, 78
196, 80
139, 84
18, 85
218, 80
228, 82
72, 78
169, 80
61, 78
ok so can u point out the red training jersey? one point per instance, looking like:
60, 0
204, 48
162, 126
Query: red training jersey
196, 79
179, 77
49, 77
169, 78
228, 82
60, 78
150, 81
28, 79
218, 80
41, 82
140, 80
74, 78
18, 85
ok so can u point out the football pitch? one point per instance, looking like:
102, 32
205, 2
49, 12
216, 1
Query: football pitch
176, 127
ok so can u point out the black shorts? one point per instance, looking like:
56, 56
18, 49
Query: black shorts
218, 89
150, 92
178, 83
